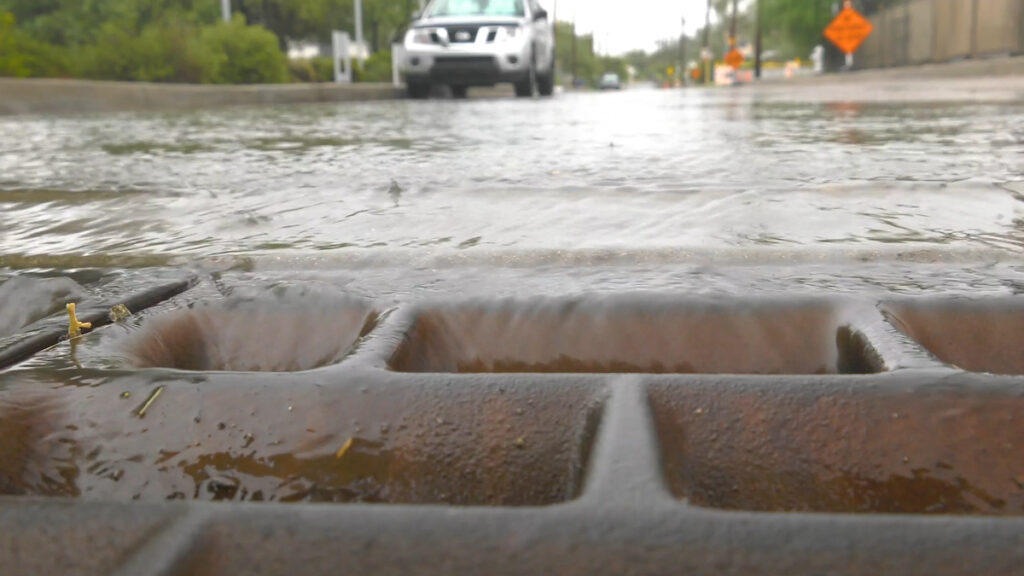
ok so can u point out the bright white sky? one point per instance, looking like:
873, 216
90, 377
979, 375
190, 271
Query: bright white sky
619, 26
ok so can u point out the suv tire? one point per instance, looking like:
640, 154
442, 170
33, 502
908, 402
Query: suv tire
418, 90
546, 81
459, 91
524, 88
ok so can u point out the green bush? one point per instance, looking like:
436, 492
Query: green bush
301, 70
377, 68
324, 68
169, 53
161, 53
22, 57
172, 49
311, 70
234, 53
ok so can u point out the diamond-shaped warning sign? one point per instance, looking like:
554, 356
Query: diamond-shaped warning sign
734, 58
848, 30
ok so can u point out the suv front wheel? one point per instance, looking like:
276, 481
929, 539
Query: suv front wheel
524, 88
418, 90
546, 81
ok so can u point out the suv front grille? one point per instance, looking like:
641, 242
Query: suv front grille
470, 69
462, 34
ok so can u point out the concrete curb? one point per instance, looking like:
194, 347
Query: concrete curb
60, 96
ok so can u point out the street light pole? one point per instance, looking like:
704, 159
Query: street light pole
225, 10
574, 49
359, 29
681, 70
757, 42
732, 27
705, 54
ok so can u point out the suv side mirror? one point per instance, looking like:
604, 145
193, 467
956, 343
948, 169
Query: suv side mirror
540, 14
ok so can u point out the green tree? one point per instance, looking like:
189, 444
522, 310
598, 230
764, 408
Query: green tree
22, 56
793, 27
12, 61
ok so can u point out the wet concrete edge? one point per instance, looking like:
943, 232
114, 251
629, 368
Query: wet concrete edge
98, 316
59, 96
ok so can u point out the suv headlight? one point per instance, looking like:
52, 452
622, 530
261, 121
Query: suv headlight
509, 33
419, 36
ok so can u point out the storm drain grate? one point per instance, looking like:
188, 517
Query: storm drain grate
626, 434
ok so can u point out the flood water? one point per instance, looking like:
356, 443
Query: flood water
642, 172
879, 189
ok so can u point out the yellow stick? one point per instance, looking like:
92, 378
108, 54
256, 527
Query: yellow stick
344, 448
74, 326
149, 402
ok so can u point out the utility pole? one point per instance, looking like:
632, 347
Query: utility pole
732, 27
706, 52
359, 31
574, 49
225, 10
757, 42
681, 70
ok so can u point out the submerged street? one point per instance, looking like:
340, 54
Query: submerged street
844, 168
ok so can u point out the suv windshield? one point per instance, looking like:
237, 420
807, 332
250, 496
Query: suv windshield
475, 8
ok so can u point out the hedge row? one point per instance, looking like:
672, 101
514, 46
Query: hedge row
170, 51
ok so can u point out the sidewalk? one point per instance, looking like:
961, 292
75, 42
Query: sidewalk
995, 80
1004, 66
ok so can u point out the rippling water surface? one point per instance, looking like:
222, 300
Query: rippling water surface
642, 172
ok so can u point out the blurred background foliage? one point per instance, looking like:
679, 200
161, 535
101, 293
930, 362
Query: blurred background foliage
186, 41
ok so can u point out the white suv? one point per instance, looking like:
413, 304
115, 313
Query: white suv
465, 43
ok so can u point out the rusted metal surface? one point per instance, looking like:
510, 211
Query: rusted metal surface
978, 336
557, 436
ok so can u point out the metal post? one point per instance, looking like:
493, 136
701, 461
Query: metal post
705, 54
681, 69
757, 42
225, 10
574, 50
732, 27
883, 21
849, 57
397, 62
359, 30
340, 44
974, 29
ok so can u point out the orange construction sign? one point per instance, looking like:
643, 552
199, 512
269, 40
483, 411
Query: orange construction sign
848, 30
734, 58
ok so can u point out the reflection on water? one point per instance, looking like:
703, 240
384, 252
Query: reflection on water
644, 169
